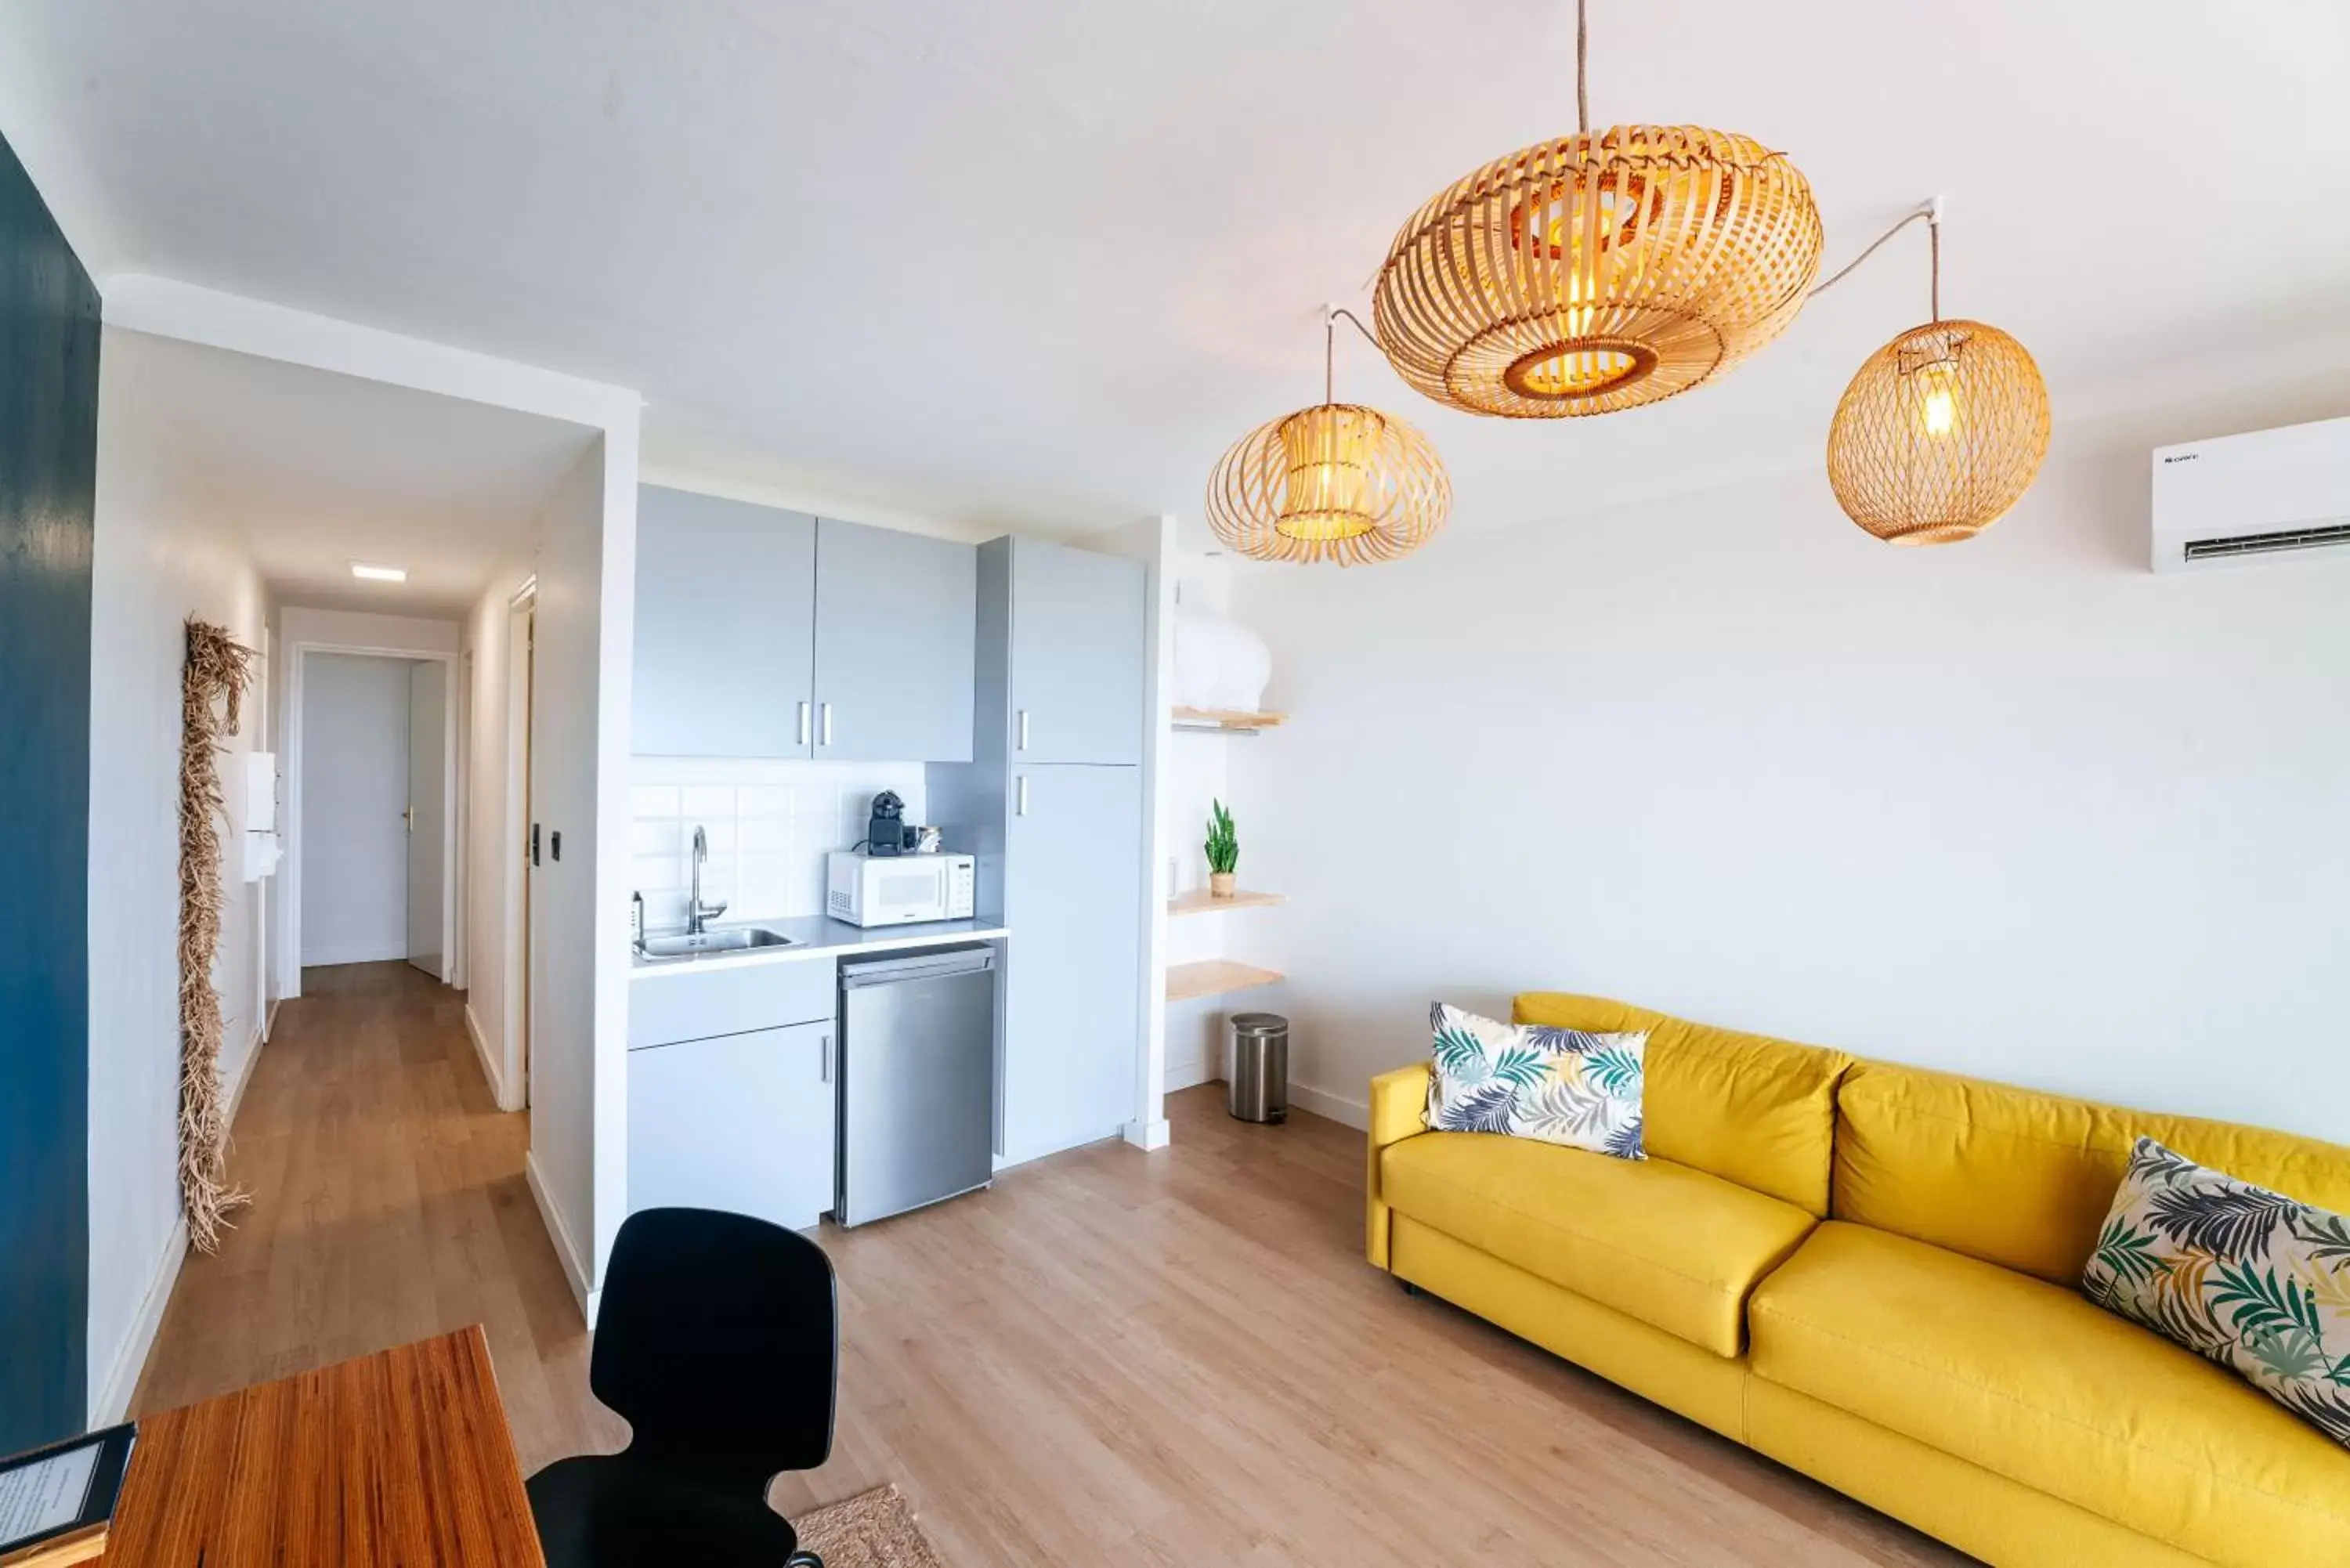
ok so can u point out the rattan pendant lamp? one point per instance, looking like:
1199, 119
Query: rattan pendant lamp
1337, 482
1944, 428
1599, 271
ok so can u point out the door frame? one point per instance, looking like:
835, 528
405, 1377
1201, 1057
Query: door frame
514, 884
289, 955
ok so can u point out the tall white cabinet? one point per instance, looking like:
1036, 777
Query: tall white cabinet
1052, 804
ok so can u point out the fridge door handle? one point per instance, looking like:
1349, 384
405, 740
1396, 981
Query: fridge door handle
1024, 729
803, 724
825, 725
1021, 806
825, 1065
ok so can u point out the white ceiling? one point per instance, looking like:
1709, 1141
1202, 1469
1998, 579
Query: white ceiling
315, 471
1039, 263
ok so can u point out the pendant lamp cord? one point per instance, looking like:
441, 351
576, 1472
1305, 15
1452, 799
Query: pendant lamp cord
1330, 316
1930, 212
1934, 231
1582, 84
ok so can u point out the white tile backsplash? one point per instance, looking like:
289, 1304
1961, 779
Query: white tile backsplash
769, 823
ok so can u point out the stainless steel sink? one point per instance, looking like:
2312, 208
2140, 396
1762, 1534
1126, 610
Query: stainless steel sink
739, 940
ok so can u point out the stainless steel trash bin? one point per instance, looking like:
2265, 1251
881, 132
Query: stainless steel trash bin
1260, 1080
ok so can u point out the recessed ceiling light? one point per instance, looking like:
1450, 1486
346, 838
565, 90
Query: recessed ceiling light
378, 574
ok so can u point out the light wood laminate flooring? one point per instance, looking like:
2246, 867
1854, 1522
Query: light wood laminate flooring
1110, 1357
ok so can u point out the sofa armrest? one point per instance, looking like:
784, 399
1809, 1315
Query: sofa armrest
1398, 1106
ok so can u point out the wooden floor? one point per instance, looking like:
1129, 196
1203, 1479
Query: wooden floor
1112, 1357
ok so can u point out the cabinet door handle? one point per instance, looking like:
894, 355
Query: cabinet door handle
827, 1059
824, 725
1021, 807
1024, 729
803, 724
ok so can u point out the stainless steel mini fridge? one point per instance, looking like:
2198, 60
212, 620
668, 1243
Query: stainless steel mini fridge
917, 1080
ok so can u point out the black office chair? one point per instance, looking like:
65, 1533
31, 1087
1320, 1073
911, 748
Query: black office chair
719, 1340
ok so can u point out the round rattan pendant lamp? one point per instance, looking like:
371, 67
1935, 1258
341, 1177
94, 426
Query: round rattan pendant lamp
1336, 481
1942, 431
1599, 271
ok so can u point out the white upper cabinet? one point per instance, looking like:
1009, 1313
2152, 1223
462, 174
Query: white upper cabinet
893, 644
1077, 622
765, 633
725, 603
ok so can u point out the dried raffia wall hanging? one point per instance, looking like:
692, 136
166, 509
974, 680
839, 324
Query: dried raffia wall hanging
212, 694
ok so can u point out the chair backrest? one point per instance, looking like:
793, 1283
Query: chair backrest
718, 1339
1748, 1108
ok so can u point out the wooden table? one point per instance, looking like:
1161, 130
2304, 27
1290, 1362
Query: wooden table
400, 1457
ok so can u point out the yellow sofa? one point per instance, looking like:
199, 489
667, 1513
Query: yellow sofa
1866, 1271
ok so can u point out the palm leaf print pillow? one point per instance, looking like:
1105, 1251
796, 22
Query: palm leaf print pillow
1560, 1086
2257, 1282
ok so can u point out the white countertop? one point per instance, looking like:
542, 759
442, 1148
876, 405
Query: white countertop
818, 936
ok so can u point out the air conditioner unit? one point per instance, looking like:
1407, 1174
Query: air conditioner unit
2270, 495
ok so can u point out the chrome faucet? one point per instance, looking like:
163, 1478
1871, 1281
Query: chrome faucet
697, 913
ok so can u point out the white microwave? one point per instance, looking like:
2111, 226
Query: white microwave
894, 889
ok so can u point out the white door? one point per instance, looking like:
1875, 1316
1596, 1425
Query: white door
428, 741
354, 765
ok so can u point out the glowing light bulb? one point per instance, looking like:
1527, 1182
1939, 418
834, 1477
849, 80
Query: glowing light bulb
1941, 411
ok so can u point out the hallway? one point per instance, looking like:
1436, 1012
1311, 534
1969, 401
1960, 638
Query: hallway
389, 1204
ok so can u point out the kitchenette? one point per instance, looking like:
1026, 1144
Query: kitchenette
889, 837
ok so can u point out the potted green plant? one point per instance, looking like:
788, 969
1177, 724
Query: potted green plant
1223, 848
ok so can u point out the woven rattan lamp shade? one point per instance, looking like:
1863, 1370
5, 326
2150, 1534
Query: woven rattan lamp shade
1940, 434
1336, 481
1597, 272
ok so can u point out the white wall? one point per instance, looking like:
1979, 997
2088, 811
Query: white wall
579, 737
354, 784
160, 557
491, 853
2017, 809
1194, 774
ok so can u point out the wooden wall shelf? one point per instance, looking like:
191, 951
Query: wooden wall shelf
1200, 901
1214, 977
1229, 721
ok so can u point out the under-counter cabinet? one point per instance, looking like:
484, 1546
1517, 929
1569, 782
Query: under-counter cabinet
767, 633
740, 1122
731, 1095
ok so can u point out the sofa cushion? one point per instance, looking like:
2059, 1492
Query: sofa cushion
2250, 1278
2022, 1178
2030, 1381
1559, 1086
1675, 1247
1748, 1108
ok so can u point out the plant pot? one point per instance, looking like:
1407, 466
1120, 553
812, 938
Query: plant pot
1223, 884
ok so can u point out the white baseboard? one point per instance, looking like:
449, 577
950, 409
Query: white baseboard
575, 1268
1186, 1074
111, 1400
489, 1067
334, 957
1148, 1135
245, 1077
269, 1017
1355, 1114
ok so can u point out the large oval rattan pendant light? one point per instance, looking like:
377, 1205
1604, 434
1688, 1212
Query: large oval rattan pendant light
1597, 272
1336, 481
1943, 428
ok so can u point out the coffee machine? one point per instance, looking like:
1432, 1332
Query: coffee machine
886, 833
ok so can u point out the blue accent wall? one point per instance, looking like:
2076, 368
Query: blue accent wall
49, 476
